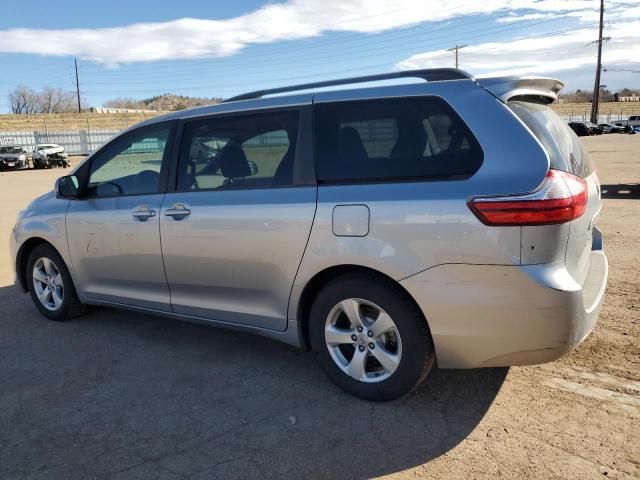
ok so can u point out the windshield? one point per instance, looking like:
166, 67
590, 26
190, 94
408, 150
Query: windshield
11, 149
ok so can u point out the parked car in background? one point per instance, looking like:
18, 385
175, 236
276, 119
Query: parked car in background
49, 155
631, 122
594, 129
13, 156
611, 128
580, 128
385, 228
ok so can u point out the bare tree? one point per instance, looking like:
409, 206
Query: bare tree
23, 100
55, 100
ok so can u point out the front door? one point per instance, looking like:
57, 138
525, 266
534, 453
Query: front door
114, 233
234, 232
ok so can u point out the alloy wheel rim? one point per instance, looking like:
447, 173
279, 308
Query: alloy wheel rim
47, 284
363, 340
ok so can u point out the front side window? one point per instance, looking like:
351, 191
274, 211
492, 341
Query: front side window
239, 151
130, 167
393, 139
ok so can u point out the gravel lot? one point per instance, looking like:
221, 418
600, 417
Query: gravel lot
122, 395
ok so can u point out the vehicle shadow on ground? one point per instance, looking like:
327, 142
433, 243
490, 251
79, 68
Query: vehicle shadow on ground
621, 191
118, 394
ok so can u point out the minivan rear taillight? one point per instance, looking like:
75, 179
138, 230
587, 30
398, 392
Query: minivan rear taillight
562, 198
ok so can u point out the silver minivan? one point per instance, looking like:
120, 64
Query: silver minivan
386, 228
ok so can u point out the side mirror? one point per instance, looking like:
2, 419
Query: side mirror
67, 187
254, 167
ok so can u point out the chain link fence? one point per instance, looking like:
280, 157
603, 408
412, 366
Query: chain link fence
75, 142
585, 116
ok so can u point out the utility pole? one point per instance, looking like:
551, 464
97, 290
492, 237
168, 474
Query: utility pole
596, 89
75, 61
456, 49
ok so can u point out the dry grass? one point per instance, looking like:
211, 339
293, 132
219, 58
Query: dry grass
71, 121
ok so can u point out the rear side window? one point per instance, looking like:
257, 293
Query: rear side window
566, 151
393, 139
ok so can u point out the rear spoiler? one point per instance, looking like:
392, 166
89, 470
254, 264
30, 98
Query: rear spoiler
531, 89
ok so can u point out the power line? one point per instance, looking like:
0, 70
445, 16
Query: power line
363, 70
609, 69
327, 26
270, 63
364, 38
200, 87
377, 50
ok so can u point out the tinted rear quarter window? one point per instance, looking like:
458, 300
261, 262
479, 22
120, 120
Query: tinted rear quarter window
393, 139
566, 151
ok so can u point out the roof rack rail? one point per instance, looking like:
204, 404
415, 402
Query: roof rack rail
429, 75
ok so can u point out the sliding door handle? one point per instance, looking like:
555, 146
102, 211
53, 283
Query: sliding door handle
143, 213
178, 211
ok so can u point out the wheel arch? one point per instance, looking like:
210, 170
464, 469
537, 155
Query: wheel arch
322, 278
23, 256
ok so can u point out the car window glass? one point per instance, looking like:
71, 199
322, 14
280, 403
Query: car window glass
378, 135
393, 139
266, 151
131, 167
239, 151
566, 152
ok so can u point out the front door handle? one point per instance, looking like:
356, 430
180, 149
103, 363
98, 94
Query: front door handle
178, 211
143, 213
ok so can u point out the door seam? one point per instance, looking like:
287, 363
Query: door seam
164, 268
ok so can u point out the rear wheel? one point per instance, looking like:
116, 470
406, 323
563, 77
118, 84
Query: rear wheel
50, 285
370, 337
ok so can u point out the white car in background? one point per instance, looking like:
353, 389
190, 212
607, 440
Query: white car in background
49, 155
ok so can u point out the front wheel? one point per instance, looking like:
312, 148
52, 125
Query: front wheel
370, 337
50, 285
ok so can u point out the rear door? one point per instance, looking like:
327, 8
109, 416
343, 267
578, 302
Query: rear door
236, 226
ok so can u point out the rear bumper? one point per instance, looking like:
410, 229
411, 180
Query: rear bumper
492, 315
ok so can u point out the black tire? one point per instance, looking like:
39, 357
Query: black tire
417, 346
71, 306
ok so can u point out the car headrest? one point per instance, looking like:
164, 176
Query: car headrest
351, 146
233, 162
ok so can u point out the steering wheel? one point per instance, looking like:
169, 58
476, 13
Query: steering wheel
147, 178
117, 187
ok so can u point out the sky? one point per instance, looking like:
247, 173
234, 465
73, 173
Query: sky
212, 48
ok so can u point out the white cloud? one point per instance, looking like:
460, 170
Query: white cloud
521, 18
539, 56
294, 19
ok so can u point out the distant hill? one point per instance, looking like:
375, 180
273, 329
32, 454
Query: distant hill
166, 102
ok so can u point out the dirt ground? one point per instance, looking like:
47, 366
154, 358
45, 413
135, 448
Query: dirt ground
123, 395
